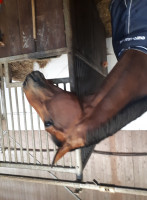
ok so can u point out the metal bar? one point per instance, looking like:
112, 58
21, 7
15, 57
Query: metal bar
38, 167
14, 84
78, 164
60, 86
25, 126
6, 120
33, 135
64, 84
82, 185
65, 88
63, 161
1, 128
19, 84
60, 80
25, 149
40, 140
19, 129
47, 147
2, 139
71, 164
12, 120
55, 151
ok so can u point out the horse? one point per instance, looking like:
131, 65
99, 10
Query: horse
77, 122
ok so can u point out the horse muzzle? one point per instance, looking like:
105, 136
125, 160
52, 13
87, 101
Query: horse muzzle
36, 77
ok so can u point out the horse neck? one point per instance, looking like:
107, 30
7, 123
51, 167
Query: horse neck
131, 112
116, 95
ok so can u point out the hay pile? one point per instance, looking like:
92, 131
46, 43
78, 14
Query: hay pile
103, 9
20, 69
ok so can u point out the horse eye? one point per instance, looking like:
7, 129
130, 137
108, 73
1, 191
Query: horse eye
48, 123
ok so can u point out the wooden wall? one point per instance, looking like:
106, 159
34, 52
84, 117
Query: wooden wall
119, 170
17, 30
89, 34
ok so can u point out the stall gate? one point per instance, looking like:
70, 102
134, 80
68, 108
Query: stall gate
23, 141
24, 144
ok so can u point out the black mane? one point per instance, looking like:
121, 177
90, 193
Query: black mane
132, 111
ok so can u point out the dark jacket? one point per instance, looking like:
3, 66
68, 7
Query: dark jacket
129, 25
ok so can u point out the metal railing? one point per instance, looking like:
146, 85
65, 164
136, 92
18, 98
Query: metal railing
23, 141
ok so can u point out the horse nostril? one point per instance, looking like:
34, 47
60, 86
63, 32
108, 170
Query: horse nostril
48, 123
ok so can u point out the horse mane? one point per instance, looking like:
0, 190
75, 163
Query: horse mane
131, 112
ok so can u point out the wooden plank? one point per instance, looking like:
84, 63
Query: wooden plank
101, 172
6, 28
25, 26
15, 191
3, 29
88, 176
123, 175
16, 25
128, 163
50, 25
139, 144
117, 170
10, 28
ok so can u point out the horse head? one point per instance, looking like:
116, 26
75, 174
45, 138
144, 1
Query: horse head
59, 110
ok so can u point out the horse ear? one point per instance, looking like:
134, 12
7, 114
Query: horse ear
61, 152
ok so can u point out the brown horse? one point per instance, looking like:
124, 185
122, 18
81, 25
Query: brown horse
76, 123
